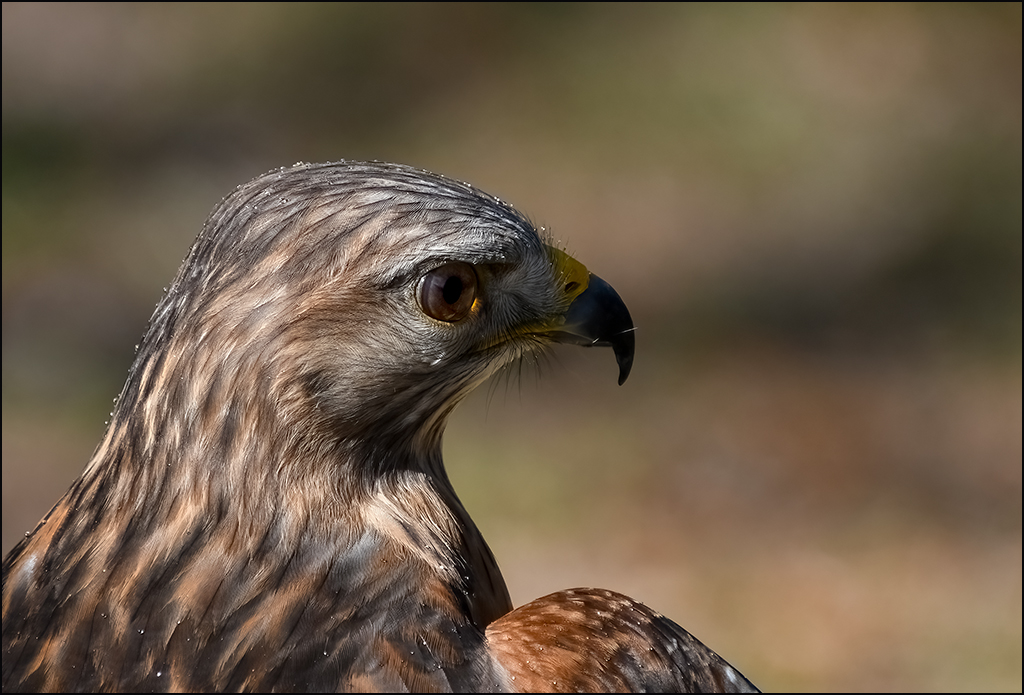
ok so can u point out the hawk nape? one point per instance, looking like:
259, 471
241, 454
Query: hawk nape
268, 509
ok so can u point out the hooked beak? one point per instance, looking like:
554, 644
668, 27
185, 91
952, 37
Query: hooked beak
599, 317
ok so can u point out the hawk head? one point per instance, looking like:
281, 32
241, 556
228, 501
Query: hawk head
360, 302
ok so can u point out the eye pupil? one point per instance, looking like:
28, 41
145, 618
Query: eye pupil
448, 293
452, 289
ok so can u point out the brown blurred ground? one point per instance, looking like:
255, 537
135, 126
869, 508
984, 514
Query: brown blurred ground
814, 213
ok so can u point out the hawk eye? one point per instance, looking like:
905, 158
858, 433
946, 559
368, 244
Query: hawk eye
447, 292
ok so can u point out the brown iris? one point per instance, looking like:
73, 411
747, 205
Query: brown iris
447, 292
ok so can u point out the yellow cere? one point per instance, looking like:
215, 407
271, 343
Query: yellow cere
573, 275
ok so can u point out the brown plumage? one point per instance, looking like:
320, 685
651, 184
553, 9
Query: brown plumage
268, 509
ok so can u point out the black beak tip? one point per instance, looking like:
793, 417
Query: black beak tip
599, 317
617, 329
624, 345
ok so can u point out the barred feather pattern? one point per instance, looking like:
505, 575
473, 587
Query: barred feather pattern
268, 508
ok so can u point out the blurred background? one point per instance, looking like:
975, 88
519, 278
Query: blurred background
813, 212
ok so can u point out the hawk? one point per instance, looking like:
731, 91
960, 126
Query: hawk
268, 508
